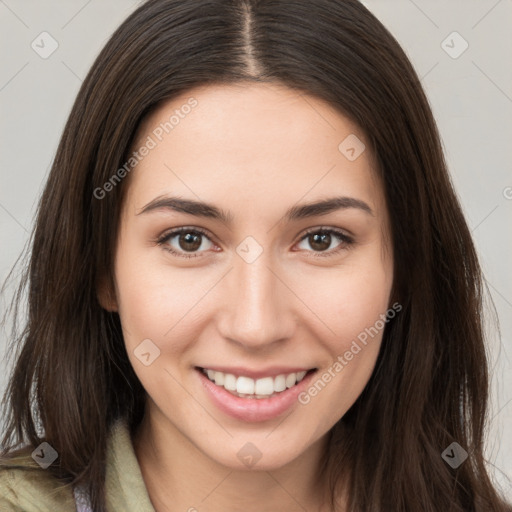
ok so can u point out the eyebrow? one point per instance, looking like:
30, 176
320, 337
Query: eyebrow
201, 209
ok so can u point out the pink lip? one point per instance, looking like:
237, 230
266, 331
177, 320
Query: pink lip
253, 409
271, 371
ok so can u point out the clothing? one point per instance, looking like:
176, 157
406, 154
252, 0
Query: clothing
37, 490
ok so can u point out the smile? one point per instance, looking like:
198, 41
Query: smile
247, 387
254, 395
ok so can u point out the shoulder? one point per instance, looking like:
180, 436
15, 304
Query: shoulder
26, 487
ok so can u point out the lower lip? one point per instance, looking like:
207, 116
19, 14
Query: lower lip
253, 409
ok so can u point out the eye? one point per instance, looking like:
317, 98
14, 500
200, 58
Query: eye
320, 240
188, 240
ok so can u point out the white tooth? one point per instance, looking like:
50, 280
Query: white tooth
245, 385
249, 388
264, 386
280, 383
291, 379
230, 382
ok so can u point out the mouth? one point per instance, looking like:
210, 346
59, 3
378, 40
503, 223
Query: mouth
244, 386
254, 396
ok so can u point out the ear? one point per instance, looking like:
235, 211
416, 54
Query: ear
106, 295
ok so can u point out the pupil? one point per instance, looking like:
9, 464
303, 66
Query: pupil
188, 238
192, 242
321, 241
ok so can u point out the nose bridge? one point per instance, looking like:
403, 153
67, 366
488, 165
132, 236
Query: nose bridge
258, 314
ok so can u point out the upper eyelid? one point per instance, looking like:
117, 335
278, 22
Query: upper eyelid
327, 228
171, 233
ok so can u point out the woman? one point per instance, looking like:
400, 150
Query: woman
251, 284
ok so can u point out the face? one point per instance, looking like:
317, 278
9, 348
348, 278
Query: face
279, 302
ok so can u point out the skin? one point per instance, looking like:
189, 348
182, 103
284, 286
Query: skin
252, 150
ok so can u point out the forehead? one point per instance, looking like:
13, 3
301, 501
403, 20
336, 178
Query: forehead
250, 144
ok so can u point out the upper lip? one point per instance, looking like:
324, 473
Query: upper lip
271, 371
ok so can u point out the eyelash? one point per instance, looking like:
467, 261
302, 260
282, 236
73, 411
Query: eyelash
347, 240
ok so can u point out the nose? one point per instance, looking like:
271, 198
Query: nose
259, 305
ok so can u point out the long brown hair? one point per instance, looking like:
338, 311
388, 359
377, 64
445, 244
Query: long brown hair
72, 378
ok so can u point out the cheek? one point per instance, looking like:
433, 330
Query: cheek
353, 306
155, 319
152, 302
350, 299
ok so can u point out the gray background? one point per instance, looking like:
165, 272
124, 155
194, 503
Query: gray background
471, 97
